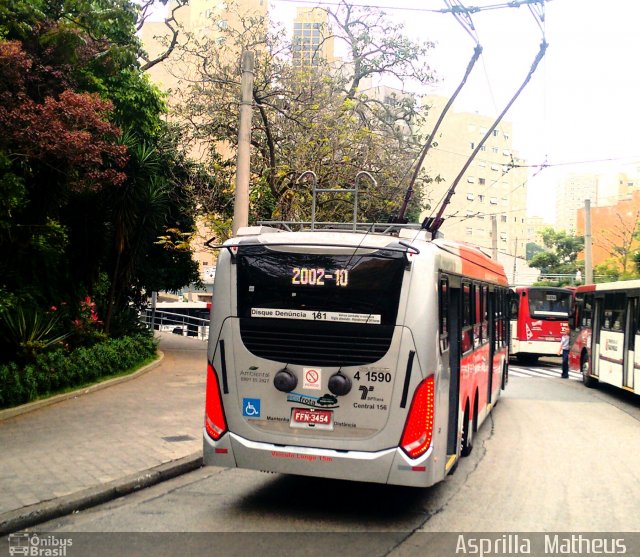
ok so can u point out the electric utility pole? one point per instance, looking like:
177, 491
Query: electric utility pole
588, 264
243, 162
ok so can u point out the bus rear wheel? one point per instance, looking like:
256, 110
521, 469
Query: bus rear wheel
467, 434
585, 368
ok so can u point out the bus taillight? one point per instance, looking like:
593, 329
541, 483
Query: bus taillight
214, 420
418, 429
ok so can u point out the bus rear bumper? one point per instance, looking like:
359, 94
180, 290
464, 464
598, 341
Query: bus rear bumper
539, 347
386, 466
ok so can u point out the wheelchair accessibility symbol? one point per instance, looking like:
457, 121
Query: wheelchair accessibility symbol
251, 407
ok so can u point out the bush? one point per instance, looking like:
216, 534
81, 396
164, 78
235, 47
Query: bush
57, 370
29, 332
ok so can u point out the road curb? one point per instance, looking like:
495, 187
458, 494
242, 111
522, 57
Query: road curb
32, 515
31, 406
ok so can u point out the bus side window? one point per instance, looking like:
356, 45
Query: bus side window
467, 325
614, 311
633, 311
443, 308
483, 316
587, 311
477, 306
514, 303
495, 296
500, 319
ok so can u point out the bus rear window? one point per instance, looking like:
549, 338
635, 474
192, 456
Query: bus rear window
549, 304
362, 289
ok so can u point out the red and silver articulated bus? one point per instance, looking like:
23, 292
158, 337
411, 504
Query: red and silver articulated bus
539, 318
605, 334
355, 355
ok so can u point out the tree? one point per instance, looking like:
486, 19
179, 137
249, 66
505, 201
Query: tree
606, 272
91, 175
532, 249
54, 147
620, 239
315, 118
171, 24
561, 254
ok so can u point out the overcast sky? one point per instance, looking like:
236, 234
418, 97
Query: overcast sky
583, 103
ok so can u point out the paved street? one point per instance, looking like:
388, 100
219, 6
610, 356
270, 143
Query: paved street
106, 435
555, 457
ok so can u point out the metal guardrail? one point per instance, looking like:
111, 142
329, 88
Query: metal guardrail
176, 323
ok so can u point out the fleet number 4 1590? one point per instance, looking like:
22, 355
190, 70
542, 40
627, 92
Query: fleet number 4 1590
374, 376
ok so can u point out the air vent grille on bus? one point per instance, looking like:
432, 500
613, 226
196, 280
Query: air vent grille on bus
313, 343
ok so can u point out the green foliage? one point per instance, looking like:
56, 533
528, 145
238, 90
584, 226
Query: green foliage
90, 174
532, 249
28, 333
314, 118
607, 271
564, 245
561, 254
54, 371
19, 17
636, 261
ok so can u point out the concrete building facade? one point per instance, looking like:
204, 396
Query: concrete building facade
494, 185
203, 18
313, 44
602, 189
534, 227
613, 226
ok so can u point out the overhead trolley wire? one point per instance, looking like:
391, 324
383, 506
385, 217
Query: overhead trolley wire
457, 9
435, 223
465, 20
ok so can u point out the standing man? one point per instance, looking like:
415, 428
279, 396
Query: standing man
564, 350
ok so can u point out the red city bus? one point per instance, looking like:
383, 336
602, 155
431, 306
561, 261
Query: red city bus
539, 317
356, 355
605, 334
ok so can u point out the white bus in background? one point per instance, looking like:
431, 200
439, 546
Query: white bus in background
605, 334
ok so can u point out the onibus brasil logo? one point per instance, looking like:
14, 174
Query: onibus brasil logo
38, 545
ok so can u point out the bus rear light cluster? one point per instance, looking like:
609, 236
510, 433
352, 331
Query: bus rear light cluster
214, 421
418, 429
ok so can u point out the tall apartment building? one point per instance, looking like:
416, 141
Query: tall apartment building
203, 18
312, 41
626, 182
604, 189
534, 227
570, 196
494, 185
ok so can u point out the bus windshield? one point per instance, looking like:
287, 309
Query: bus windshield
329, 287
549, 304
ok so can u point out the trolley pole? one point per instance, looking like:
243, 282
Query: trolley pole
243, 163
588, 264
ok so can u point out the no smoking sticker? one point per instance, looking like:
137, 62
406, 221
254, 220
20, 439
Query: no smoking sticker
312, 378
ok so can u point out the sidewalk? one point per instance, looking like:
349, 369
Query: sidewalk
95, 446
